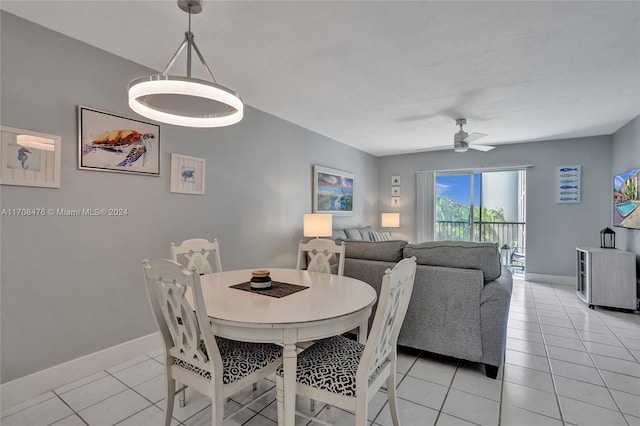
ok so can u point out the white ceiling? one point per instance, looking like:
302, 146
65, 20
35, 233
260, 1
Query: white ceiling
391, 77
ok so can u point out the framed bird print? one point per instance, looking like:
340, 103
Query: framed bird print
110, 143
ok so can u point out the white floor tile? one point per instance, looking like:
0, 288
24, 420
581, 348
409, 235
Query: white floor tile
621, 382
154, 390
447, 420
44, 413
617, 365
435, 369
576, 371
632, 420
80, 382
570, 355
530, 336
527, 360
127, 364
584, 414
141, 372
149, 416
526, 346
628, 402
114, 409
586, 392
93, 392
530, 399
608, 350
606, 339
472, 408
28, 403
422, 392
559, 331
471, 378
72, 420
524, 325
410, 415
528, 377
516, 416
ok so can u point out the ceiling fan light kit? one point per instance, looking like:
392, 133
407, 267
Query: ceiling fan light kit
148, 95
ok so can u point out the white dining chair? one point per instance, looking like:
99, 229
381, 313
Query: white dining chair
320, 251
194, 357
347, 374
195, 254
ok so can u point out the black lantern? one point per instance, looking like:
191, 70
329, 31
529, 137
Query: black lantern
607, 238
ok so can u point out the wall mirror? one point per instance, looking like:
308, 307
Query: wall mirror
29, 158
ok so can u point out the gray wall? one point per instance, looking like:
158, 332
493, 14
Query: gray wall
73, 285
553, 230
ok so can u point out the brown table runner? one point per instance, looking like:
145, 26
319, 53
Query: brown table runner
278, 289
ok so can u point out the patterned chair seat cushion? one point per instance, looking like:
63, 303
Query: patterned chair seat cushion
330, 364
239, 359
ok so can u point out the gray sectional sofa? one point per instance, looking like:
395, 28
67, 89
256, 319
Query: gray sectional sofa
460, 301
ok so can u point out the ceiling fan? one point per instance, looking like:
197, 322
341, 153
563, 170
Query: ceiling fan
462, 140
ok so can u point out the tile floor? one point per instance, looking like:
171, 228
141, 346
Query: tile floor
565, 364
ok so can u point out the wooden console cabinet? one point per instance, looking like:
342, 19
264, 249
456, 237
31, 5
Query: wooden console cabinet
606, 277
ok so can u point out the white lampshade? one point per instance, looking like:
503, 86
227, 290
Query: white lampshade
317, 225
390, 220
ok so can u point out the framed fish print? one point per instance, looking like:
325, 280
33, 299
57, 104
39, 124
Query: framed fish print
111, 143
333, 191
568, 184
29, 158
187, 174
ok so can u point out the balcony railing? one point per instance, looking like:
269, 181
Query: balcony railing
510, 233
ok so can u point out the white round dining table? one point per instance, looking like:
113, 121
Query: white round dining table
328, 305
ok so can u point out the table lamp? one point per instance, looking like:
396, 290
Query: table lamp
317, 225
390, 220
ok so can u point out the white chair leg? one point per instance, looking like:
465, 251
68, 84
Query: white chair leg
361, 411
280, 397
391, 395
217, 410
182, 399
171, 395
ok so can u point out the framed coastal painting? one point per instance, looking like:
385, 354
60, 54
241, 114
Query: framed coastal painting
110, 143
187, 174
29, 158
333, 191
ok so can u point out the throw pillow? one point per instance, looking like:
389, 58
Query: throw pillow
380, 236
353, 234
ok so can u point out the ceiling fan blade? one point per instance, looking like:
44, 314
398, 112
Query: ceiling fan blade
434, 148
483, 148
474, 137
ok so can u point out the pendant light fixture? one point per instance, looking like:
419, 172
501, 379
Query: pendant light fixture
185, 101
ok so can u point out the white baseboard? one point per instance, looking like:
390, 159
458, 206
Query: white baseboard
27, 387
551, 279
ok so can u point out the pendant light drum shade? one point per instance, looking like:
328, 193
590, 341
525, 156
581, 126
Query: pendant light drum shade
185, 101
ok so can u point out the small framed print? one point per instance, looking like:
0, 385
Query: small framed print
29, 158
187, 174
395, 201
395, 180
395, 191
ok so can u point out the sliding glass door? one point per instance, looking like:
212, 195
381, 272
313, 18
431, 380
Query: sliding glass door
481, 206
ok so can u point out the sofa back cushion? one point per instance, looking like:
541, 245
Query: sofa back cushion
386, 251
458, 254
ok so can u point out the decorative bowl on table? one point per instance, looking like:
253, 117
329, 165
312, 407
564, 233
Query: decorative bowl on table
260, 280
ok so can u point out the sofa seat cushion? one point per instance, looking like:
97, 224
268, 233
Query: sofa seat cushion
458, 254
386, 251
